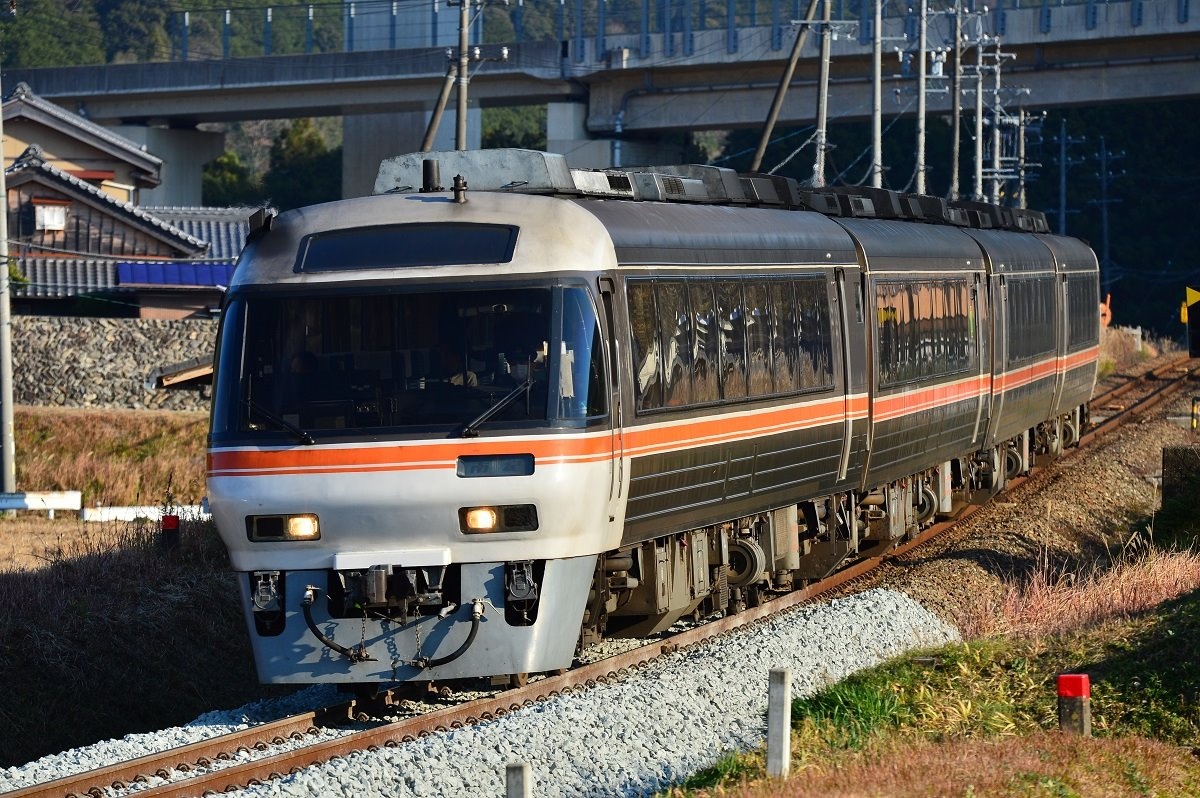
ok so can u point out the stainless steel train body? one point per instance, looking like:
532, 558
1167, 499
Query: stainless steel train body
456, 434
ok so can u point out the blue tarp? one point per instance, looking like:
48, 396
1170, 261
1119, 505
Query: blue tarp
175, 274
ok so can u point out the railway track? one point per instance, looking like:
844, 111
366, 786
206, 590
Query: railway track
218, 764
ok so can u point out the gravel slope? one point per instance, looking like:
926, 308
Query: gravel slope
629, 738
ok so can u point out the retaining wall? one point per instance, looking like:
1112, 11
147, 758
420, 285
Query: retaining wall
88, 362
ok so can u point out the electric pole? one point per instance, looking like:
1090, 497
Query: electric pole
922, 27
1064, 163
8, 460
956, 101
1106, 176
460, 121
877, 96
818, 178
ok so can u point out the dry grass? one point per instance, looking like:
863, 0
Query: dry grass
1039, 765
115, 457
1054, 600
120, 635
99, 623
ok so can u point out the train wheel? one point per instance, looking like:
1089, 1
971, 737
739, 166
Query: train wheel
1070, 433
518, 680
747, 561
1012, 463
926, 504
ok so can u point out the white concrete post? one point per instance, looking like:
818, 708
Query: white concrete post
779, 724
516, 780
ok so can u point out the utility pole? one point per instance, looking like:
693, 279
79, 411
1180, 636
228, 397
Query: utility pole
458, 73
460, 121
877, 97
979, 112
1064, 162
818, 178
922, 27
784, 82
956, 101
8, 460
1106, 176
997, 141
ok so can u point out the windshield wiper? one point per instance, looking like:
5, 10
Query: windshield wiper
304, 437
469, 431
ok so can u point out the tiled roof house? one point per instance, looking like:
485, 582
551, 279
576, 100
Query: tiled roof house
81, 243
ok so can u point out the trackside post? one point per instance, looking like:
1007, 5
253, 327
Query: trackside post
1075, 703
779, 724
516, 780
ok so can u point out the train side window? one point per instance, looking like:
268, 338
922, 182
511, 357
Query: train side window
1030, 317
785, 337
941, 323
706, 344
887, 315
924, 332
647, 381
731, 317
1083, 303
581, 387
758, 339
816, 347
675, 337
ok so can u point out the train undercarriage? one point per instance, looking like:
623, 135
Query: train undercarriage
644, 589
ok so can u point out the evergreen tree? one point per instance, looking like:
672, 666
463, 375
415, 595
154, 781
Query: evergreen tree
523, 126
51, 33
227, 181
303, 170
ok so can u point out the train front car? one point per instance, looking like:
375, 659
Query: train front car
411, 450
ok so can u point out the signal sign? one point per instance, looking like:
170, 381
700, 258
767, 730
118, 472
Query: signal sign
1192, 308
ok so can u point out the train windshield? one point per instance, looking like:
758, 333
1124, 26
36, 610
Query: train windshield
316, 366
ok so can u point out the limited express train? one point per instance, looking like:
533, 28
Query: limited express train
461, 433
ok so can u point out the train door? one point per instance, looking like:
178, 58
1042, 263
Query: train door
616, 406
1061, 334
980, 333
999, 326
852, 364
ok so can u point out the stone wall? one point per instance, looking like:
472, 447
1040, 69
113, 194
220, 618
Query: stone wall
87, 362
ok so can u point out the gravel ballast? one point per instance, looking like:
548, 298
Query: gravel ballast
644, 733
651, 730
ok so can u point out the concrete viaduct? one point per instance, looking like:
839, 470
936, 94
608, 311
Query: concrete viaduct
640, 87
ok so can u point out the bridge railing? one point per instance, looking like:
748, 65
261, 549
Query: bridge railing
326, 27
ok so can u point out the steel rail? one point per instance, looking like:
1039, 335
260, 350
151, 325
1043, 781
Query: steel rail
220, 749
185, 757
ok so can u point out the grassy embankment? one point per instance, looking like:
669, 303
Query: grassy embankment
980, 718
102, 632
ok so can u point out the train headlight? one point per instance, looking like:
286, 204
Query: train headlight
303, 526
505, 518
480, 519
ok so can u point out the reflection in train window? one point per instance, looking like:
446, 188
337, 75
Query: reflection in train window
758, 339
816, 361
674, 336
924, 329
706, 344
731, 318
647, 382
715, 338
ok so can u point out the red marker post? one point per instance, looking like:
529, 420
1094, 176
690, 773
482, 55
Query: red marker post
169, 532
1075, 703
